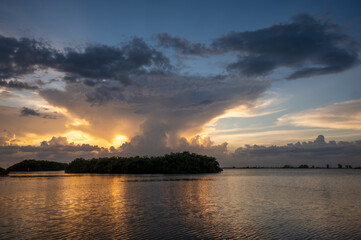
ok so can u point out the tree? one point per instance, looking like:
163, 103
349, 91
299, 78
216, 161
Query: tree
170, 163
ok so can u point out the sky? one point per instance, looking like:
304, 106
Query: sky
253, 83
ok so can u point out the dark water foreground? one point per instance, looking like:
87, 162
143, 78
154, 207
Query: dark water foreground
243, 204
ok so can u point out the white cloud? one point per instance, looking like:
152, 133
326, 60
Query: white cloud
343, 115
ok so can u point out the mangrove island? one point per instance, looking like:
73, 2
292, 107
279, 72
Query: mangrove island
36, 165
170, 163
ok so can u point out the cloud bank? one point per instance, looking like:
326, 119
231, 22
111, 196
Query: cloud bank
133, 89
316, 153
306, 45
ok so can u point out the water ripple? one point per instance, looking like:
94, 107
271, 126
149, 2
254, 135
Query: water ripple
236, 204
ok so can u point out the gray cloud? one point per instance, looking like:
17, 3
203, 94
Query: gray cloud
17, 85
182, 45
162, 107
28, 112
97, 62
100, 62
56, 149
23, 56
307, 45
131, 89
317, 153
297, 44
59, 149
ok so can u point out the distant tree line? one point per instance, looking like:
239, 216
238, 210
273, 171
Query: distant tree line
306, 166
36, 165
171, 163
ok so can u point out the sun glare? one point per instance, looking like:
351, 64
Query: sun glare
119, 140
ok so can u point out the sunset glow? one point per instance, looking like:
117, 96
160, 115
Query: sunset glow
142, 88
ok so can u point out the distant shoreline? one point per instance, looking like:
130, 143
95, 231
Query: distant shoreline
333, 168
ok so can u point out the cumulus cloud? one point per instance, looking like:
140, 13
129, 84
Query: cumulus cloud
97, 62
317, 153
307, 45
158, 109
132, 89
100, 62
343, 115
59, 149
56, 149
23, 56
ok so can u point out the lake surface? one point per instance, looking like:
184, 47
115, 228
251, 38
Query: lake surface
235, 204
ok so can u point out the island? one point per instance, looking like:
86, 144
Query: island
36, 165
184, 162
3, 172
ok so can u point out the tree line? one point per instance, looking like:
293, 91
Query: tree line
170, 163
32, 165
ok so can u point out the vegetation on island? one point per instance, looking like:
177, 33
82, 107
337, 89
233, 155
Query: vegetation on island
3, 172
171, 163
37, 165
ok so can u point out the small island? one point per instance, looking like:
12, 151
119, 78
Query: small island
3, 172
36, 165
170, 163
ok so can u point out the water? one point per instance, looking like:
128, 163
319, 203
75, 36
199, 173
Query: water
236, 204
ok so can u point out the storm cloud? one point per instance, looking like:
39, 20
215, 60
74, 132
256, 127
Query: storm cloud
100, 62
307, 45
133, 90
157, 109
97, 62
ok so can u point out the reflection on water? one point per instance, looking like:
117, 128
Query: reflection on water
243, 204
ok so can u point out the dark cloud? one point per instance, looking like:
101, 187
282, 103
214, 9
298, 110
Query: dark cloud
99, 62
23, 56
17, 85
104, 93
309, 46
182, 45
94, 62
167, 105
130, 89
25, 112
28, 112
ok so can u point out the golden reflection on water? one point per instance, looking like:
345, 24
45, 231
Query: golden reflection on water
236, 204
118, 207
